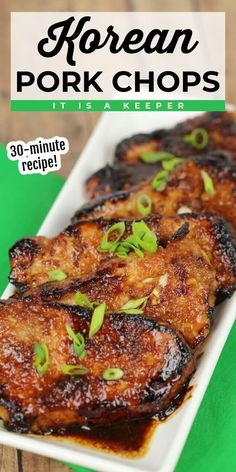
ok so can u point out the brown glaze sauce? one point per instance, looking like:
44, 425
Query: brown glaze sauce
128, 439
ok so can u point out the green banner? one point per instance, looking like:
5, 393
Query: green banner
117, 105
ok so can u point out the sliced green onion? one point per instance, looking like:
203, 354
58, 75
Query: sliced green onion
144, 236
82, 355
74, 369
132, 311
144, 204
133, 306
82, 300
112, 373
97, 319
122, 254
122, 250
41, 361
159, 182
170, 165
132, 243
141, 238
208, 183
151, 157
57, 275
198, 138
108, 244
78, 340
134, 303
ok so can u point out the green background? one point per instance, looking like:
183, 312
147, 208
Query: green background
211, 446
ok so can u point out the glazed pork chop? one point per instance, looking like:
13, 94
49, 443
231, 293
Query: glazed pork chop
193, 267
132, 368
75, 251
129, 169
184, 189
220, 127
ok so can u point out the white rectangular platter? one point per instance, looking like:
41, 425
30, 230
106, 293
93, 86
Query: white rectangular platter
169, 438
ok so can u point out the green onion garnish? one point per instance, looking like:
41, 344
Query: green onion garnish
151, 157
97, 319
57, 275
122, 251
145, 238
159, 182
108, 244
208, 183
133, 306
74, 369
82, 300
78, 341
141, 239
41, 361
170, 165
130, 244
112, 373
198, 138
132, 311
144, 204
